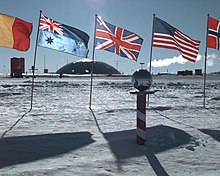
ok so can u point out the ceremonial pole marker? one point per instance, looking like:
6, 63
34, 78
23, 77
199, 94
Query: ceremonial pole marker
142, 81
141, 119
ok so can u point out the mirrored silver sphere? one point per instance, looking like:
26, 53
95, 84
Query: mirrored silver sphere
141, 80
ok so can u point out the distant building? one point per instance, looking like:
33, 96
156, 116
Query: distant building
45, 70
180, 73
188, 72
85, 67
17, 67
198, 72
185, 73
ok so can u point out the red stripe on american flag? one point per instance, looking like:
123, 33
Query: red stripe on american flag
187, 38
188, 47
165, 46
190, 43
184, 43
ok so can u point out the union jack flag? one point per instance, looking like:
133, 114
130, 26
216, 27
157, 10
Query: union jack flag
117, 40
50, 25
213, 34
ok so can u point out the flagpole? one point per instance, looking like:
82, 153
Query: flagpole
33, 67
93, 56
151, 51
205, 60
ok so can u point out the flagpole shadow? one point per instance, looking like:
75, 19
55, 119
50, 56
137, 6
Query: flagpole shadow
96, 121
155, 164
15, 123
124, 146
215, 134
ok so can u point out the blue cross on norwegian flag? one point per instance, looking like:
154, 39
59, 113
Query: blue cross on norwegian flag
117, 40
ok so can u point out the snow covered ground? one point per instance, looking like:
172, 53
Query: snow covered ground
61, 136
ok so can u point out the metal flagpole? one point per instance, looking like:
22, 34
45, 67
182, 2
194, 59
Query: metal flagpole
151, 50
93, 56
205, 60
33, 67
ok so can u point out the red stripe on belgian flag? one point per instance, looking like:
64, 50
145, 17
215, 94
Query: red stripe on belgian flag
21, 33
14, 33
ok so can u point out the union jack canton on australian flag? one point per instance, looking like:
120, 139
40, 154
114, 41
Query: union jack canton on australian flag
61, 37
117, 40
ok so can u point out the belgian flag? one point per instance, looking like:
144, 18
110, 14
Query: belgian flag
14, 33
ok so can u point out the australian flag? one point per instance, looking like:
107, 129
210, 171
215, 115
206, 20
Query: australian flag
61, 37
117, 40
213, 33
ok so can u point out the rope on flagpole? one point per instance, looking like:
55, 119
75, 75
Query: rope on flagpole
15, 124
205, 61
151, 51
93, 56
33, 67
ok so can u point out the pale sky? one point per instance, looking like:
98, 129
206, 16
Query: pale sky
189, 16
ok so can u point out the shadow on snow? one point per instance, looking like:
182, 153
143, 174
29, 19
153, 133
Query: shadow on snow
159, 139
23, 149
213, 133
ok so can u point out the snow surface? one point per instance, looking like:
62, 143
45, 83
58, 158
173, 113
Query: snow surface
61, 136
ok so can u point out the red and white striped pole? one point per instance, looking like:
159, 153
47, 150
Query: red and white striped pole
141, 118
141, 80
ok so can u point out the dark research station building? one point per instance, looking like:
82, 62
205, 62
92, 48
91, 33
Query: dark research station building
17, 67
82, 67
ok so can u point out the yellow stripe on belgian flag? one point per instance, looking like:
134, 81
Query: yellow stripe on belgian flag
6, 34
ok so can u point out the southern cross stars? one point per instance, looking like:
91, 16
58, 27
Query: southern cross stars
49, 40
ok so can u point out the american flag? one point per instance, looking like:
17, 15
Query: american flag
213, 33
166, 36
117, 40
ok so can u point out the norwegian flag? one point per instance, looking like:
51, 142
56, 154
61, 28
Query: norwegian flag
213, 33
117, 40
